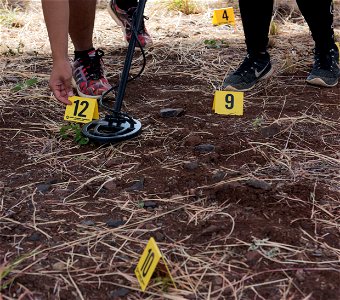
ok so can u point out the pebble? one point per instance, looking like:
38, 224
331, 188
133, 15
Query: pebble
120, 292
192, 140
110, 185
58, 266
43, 187
150, 204
218, 176
88, 223
211, 229
300, 275
159, 236
114, 223
137, 186
191, 166
171, 112
204, 148
35, 237
253, 257
259, 184
270, 131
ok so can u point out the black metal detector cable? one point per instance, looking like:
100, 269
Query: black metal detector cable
101, 99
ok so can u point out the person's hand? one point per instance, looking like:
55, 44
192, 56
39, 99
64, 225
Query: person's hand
60, 81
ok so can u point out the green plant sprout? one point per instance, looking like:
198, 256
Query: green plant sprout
25, 85
73, 131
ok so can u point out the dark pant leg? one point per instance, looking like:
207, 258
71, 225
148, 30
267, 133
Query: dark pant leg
319, 17
126, 4
256, 17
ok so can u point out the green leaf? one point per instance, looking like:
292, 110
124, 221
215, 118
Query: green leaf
31, 82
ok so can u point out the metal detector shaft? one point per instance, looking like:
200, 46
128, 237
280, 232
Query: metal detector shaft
129, 56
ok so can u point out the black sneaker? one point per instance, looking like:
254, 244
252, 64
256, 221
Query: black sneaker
252, 70
326, 71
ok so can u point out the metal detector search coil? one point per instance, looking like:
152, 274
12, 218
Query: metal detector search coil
119, 126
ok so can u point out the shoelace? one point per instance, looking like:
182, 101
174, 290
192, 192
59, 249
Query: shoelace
93, 65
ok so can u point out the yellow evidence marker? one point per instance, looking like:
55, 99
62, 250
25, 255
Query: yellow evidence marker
148, 264
338, 45
223, 16
82, 110
228, 103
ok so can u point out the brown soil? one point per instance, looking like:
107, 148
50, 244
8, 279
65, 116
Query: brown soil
255, 218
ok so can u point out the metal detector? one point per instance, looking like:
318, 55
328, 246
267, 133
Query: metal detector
118, 126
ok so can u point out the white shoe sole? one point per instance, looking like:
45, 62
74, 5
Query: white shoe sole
320, 82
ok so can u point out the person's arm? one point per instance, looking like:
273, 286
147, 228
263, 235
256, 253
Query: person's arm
56, 14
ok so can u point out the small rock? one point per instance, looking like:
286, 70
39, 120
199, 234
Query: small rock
150, 204
192, 140
171, 112
270, 130
218, 176
110, 185
35, 237
218, 280
253, 257
300, 275
159, 236
58, 266
259, 184
204, 148
120, 292
11, 79
137, 186
150, 226
43, 187
114, 223
211, 229
191, 166
88, 223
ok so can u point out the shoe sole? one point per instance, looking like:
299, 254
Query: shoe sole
118, 22
121, 25
74, 84
320, 82
267, 75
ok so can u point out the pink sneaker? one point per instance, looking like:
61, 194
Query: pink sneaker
124, 20
88, 75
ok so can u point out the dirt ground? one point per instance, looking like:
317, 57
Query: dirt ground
241, 207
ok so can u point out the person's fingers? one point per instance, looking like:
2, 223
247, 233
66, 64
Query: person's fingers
61, 93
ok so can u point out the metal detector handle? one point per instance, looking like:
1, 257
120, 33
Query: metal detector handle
137, 21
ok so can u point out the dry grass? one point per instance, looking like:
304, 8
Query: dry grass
100, 257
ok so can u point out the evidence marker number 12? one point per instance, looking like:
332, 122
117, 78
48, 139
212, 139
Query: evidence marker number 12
81, 110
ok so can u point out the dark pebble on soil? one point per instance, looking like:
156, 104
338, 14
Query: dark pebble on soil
114, 223
137, 186
120, 292
192, 140
204, 148
270, 131
218, 176
35, 237
171, 112
191, 166
150, 204
259, 184
43, 187
159, 237
88, 223
111, 185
